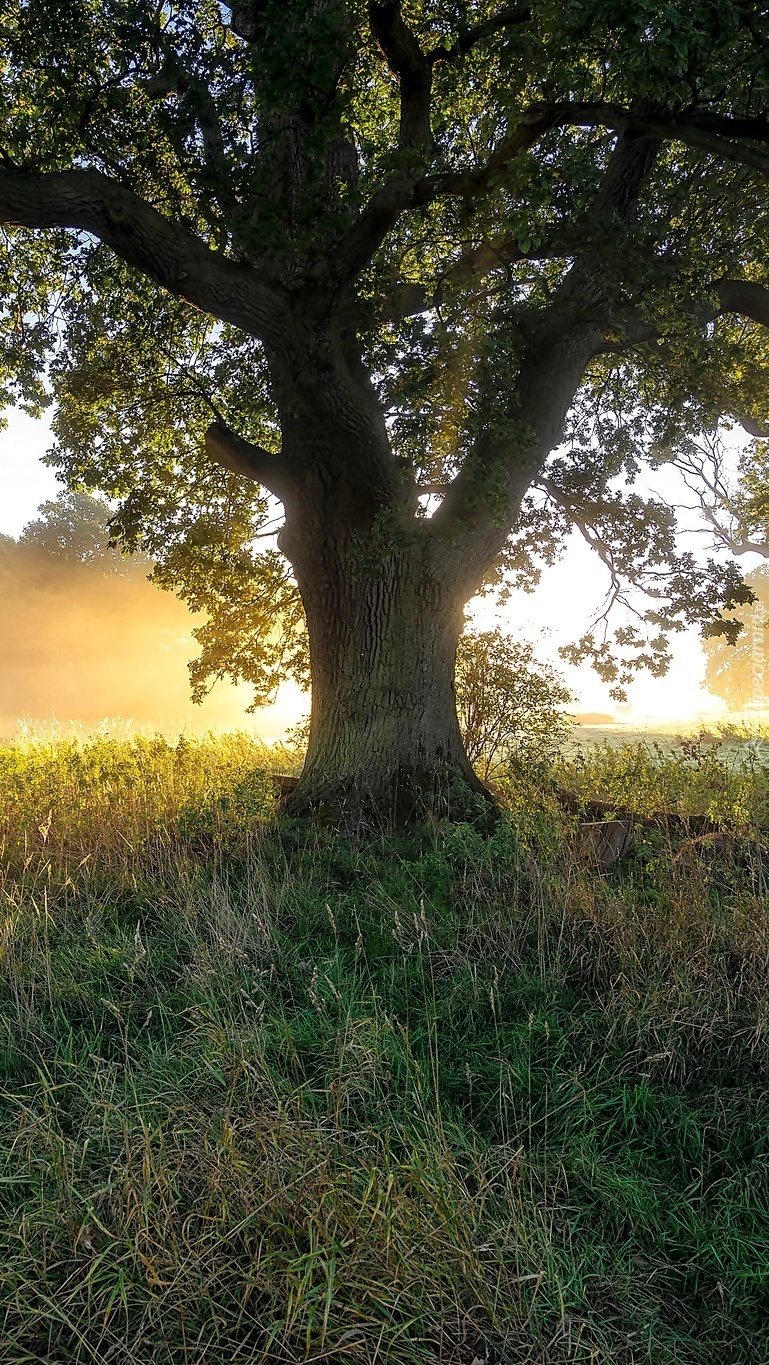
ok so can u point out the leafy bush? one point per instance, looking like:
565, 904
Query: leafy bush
509, 704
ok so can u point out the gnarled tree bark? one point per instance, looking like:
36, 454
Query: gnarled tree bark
384, 737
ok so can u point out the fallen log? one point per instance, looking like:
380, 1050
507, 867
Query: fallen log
673, 822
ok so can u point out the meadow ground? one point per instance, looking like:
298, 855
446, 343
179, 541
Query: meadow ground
268, 1094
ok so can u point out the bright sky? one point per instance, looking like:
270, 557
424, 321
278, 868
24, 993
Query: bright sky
24, 481
557, 612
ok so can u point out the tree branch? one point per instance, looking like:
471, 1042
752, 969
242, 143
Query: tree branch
470, 184
174, 80
708, 132
745, 297
735, 537
239, 456
759, 430
414, 71
589, 535
626, 173
408, 62
719, 135
507, 18
178, 261
560, 341
694, 131
703, 474
407, 298
403, 192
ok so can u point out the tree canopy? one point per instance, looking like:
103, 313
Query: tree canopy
452, 274
76, 528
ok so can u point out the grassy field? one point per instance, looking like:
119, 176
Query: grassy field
268, 1094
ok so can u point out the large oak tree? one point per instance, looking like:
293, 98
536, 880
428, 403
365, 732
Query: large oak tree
437, 277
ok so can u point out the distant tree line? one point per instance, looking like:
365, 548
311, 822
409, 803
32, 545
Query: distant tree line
85, 635
739, 672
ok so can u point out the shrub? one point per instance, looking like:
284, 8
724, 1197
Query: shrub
509, 704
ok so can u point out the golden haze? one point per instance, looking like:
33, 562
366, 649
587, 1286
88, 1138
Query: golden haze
82, 646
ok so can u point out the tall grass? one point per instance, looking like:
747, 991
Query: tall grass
723, 775
273, 1095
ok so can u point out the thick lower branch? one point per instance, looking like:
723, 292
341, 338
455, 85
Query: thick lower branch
174, 258
745, 297
239, 456
408, 62
721, 136
483, 499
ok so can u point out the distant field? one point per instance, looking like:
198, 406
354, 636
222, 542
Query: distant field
268, 1094
753, 743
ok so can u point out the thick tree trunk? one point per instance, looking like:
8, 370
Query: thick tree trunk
385, 744
384, 610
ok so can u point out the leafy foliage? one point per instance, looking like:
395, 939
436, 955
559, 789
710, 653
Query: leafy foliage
509, 704
77, 529
738, 671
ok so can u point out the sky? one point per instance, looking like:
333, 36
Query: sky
558, 611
